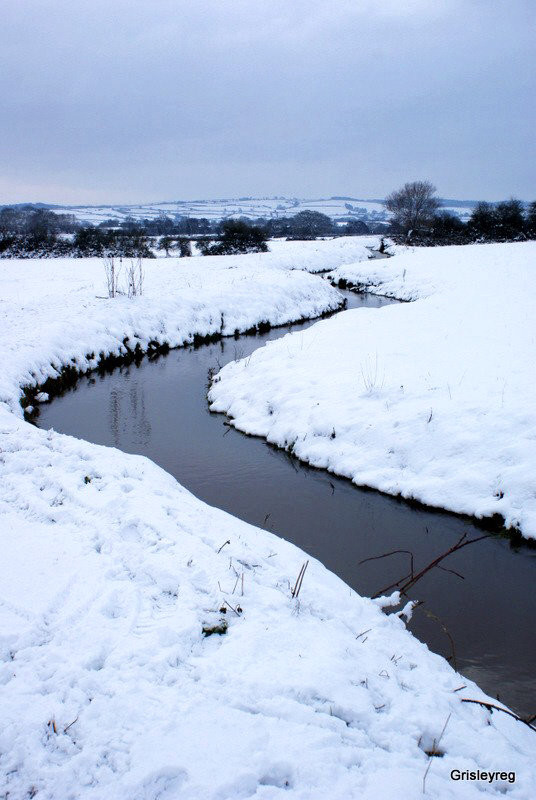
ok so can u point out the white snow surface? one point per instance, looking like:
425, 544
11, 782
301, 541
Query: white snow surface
56, 310
433, 400
110, 570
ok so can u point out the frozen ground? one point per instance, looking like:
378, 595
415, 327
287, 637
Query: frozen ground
109, 688
433, 400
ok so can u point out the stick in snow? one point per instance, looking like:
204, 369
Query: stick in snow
492, 707
299, 579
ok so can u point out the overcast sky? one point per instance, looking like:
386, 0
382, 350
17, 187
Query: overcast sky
136, 101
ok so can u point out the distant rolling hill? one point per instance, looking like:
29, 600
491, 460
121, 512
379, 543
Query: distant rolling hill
337, 207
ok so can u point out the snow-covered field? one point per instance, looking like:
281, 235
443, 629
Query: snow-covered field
249, 207
433, 400
112, 574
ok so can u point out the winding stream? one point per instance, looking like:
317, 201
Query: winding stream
159, 409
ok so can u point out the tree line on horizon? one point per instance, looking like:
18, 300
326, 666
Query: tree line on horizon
416, 218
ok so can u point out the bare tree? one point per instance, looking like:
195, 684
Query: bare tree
413, 206
167, 243
185, 248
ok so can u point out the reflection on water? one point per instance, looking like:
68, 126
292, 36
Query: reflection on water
127, 415
159, 409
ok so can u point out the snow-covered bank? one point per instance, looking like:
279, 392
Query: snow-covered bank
433, 400
110, 689
110, 572
55, 311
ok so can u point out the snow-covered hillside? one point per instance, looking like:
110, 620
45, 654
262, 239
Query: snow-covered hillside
433, 400
150, 646
339, 208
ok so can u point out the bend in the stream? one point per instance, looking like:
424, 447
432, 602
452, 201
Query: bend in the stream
159, 409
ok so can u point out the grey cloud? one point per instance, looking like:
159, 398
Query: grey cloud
135, 101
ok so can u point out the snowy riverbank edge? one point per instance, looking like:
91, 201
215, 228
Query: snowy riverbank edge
111, 570
432, 400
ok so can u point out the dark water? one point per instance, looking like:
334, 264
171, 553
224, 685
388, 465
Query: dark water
159, 409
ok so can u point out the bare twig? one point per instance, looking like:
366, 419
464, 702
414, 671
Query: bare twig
452, 657
232, 566
369, 375
391, 586
491, 707
223, 545
435, 745
70, 725
236, 610
299, 579
135, 277
112, 275
403, 587
392, 553
452, 571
